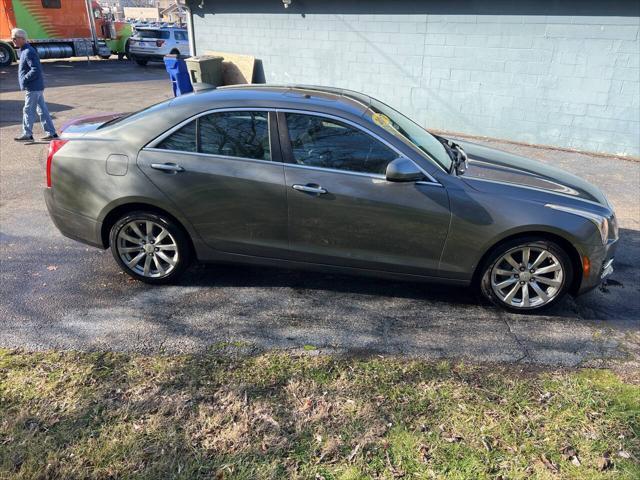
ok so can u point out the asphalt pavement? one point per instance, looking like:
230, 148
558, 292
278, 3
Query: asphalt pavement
57, 293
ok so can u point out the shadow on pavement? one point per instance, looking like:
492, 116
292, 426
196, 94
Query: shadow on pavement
61, 73
11, 111
228, 275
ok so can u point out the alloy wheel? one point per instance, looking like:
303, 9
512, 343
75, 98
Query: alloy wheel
527, 277
147, 248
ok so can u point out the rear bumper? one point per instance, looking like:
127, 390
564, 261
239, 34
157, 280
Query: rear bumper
147, 55
72, 225
601, 260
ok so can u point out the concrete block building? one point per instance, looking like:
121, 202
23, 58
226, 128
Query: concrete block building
561, 73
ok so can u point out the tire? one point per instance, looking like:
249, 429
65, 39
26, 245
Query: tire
140, 256
6, 55
538, 287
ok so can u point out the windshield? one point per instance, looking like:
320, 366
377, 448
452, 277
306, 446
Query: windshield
153, 33
408, 131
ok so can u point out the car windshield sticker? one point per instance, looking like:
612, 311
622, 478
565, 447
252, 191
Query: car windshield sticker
382, 120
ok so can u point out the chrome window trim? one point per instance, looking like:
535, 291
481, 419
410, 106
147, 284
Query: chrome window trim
152, 145
335, 170
551, 192
376, 176
214, 155
363, 129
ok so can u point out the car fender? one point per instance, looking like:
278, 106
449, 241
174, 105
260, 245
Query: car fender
481, 220
153, 203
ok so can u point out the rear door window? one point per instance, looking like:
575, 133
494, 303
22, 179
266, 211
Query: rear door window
242, 134
325, 143
180, 35
153, 34
182, 140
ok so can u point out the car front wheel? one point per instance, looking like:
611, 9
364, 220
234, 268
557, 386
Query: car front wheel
527, 275
150, 247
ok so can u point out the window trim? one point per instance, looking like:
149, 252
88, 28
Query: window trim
174, 130
153, 144
284, 134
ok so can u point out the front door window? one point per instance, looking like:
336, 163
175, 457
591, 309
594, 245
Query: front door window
325, 143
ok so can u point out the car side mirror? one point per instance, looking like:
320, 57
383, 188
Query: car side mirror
403, 170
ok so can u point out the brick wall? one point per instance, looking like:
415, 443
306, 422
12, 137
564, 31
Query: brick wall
569, 81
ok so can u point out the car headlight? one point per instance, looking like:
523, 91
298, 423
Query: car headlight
600, 221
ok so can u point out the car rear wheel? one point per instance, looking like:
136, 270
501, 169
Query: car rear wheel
150, 247
6, 56
527, 275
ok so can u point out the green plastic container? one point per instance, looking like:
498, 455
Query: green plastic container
205, 69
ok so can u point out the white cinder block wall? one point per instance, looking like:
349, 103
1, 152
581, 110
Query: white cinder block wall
568, 81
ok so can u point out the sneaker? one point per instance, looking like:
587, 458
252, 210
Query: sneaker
50, 137
24, 138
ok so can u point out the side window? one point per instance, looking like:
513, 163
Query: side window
183, 139
236, 134
320, 142
180, 36
51, 4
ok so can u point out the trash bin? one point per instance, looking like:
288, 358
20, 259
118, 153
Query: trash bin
205, 69
178, 73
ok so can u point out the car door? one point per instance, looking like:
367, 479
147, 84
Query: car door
223, 171
342, 210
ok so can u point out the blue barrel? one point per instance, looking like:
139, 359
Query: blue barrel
179, 75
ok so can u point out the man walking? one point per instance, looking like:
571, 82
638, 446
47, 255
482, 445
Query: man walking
31, 80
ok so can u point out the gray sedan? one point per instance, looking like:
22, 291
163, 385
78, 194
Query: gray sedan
325, 179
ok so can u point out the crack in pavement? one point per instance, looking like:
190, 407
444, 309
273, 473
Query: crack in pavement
517, 339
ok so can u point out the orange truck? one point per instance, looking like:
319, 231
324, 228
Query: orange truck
62, 29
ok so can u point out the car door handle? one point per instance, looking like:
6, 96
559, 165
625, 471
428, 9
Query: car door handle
311, 188
167, 167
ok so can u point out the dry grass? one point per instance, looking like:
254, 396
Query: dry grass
107, 415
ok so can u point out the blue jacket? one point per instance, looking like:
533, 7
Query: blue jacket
30, 75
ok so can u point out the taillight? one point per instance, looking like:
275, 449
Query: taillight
159, 43
54, 146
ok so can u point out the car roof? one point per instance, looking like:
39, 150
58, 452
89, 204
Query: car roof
161, 28
314, 97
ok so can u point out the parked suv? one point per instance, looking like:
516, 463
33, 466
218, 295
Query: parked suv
154, 43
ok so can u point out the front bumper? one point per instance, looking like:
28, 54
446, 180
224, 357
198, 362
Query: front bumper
72, 225
601, 261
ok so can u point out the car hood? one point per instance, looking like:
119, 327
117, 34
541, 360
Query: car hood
490, 164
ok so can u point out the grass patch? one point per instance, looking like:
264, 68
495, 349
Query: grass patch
108, 415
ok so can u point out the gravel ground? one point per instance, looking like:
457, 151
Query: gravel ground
56, 293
